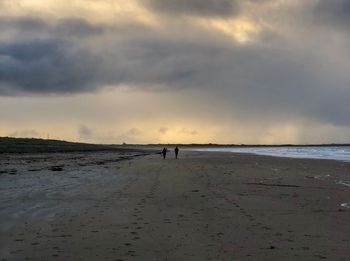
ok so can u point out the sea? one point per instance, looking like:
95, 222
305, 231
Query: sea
341, 153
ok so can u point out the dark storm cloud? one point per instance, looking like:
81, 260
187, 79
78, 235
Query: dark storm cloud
47, 66
244, 77
77, 27
21, 23
56, 63
64, 63
270, 78
336, 12
196, 7
68, 27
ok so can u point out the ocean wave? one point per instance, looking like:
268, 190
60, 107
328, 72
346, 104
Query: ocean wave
316, 152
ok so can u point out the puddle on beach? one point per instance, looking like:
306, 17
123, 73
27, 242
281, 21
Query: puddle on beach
322, 177
345, 205
347, 183
340, 182
42, 194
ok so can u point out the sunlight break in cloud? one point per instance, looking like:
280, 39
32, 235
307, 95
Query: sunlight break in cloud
228, 71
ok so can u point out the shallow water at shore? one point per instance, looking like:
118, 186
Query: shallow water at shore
321, 152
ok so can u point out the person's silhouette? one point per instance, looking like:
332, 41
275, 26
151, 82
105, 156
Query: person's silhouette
164, 152
176, 152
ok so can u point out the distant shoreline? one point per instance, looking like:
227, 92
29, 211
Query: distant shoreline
34, 145
245, 145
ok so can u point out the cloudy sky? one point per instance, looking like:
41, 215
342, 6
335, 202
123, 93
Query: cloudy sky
159, 71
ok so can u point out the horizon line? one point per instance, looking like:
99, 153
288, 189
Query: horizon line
187, 144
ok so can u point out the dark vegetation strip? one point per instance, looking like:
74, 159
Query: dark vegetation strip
23, 145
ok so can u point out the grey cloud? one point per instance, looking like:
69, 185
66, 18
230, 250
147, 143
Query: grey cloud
270, 79
54, 64
163, 130
335, 12
22, 23
196, 7
77, 28
29, 51
85, 132
67, 27
48, 66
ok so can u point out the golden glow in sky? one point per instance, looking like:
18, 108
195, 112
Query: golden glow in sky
119, 11
152, 71
100, 11
242, 30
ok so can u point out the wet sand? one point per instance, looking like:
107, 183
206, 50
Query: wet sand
203, 206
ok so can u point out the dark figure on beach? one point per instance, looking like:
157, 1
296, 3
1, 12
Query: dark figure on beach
164, 152
176, 152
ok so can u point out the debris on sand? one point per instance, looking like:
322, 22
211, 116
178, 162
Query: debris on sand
56, 168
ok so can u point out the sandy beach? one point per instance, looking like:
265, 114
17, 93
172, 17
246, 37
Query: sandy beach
203, 206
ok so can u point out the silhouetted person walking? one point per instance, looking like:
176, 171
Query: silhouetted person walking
164, 152
176, 152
